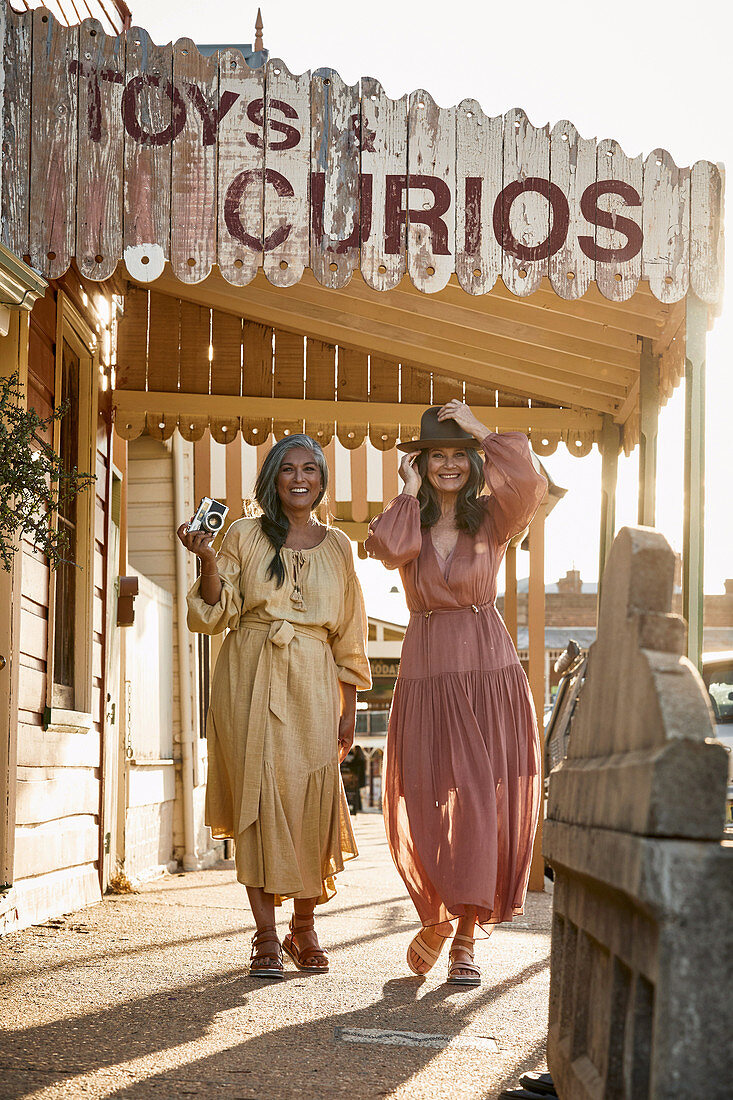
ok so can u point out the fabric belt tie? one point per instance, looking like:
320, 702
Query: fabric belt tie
425, 613
269, 696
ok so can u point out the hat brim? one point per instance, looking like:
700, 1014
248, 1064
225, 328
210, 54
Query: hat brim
423, 444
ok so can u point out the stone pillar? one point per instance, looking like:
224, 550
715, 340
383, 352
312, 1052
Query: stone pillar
642, 936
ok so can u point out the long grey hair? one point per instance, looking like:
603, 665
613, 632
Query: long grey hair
275, 523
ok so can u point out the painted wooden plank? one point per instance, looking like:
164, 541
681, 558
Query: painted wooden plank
522, 220
33, 635
193, 163
31, 689
390, 476
35, 579
16, 131
572, 170
666, 227
286, 241
383, 141
163, 341
353, 385
47, 749
320, 384
53, 145
74, 791
44, 896
415, 388
289, 377
226, 371
431, 165
706, 233
256, 378
616, 209
194, 347
335, 178
479, 169
101, 73
384, 384
359, 486
70, 842
240, 167
153, 114
152, 784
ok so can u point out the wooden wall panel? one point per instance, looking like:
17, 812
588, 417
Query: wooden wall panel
384, 385
99, 216
572, 171
320, 385
256, 378
383, 134
618, 278
335, 178
666, 225
353, 385
195, 342
289, 376
17, 131
479, 167
193, 168
240, 167
53, 145
431, 165
524, 214
286, 242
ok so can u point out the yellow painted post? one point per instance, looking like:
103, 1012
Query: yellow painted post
510, 592
13, 357
610, 444
648, 429
536, 622
694, 476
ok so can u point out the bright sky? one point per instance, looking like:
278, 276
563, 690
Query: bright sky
647, 73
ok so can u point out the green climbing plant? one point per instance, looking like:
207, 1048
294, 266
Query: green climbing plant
33, 481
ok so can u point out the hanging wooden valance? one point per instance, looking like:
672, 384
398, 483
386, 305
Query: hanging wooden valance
116, 148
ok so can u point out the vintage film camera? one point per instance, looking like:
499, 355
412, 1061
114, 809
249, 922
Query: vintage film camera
210, 516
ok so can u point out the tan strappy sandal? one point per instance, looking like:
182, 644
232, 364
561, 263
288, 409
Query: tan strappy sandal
427, 953
265, 963
462, 943
307, 953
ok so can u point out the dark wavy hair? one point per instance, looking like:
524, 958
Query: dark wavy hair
275, 524
469, 512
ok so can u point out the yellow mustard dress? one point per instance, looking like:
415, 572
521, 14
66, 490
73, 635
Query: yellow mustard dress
274, 783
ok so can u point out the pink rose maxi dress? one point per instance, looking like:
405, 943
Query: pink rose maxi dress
273, 781
462, 784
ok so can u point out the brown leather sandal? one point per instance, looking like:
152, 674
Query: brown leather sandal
297, 956
424, 952
266, 963
462, 943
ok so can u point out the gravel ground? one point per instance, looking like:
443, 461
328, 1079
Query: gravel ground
147, 995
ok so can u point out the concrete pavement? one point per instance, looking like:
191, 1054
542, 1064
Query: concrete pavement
148, 995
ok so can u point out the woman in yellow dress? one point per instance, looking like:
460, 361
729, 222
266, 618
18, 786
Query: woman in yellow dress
283, 697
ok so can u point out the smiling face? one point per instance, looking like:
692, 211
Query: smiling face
299, 480
448, 469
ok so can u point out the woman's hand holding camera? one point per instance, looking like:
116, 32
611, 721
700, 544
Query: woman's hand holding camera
198, 542
409, 474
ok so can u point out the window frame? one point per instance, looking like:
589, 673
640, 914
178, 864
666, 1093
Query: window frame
78, 334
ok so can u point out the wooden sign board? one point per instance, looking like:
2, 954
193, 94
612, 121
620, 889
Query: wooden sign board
115, 148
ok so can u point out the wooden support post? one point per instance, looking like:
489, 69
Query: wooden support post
649, 417
510, 592
536, 622
13, 357
694, 475
610, 443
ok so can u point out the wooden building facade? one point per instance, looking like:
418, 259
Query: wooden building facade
247, 253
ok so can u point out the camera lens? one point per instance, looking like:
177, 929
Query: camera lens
213, 522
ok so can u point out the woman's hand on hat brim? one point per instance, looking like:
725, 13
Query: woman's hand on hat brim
409, 474
459, 411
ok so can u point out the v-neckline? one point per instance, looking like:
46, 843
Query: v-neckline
437, 553
444, 565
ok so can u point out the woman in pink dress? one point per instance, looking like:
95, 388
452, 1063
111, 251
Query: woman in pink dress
462, 784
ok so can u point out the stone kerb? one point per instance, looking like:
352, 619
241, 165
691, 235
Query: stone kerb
642, 939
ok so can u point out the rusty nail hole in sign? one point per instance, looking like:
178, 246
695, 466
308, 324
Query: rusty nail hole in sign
658, 162
384, 437
255, 431
351, 435
283, 265
522, 273
373, 98
287, 431
224, 429
333, 266
320, 433
609, 152
129, 426
191, 262
98, 258
618, 276
545, 442
382, 269
238, 262
326, 81
469, 114
477, 272
50, 255
564, 137
421, 106
161, 424
276, 72
44, 19
93, 34
570, 276
144, 259
232, 64
430, 271
191, 427
668, 280
184, 52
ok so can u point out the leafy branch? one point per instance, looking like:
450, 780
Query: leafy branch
33, 481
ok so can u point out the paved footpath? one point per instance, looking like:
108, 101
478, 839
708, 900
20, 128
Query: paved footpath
148, 995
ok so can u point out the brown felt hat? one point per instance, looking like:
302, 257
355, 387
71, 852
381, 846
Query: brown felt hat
438, 433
